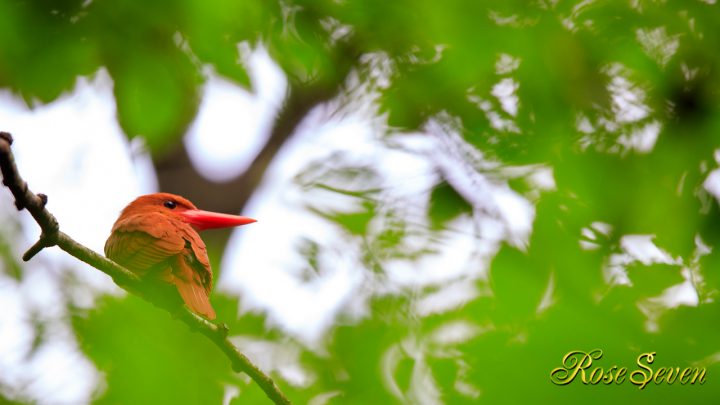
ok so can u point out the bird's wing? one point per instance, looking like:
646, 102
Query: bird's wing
141, 242
197, 257
144, 242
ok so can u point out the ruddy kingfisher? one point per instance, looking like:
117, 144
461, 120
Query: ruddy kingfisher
156, 237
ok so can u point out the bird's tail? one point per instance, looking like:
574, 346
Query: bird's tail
191, 290
195, 297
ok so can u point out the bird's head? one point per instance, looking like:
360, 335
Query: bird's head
180, 208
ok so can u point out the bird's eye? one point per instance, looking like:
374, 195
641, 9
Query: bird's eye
170, 204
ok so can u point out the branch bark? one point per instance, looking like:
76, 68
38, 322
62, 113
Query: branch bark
52, 236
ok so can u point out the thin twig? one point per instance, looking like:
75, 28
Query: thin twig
52, 236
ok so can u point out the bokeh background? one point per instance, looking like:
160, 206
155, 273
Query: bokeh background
451, 195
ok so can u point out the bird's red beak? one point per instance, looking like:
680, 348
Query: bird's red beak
202, 220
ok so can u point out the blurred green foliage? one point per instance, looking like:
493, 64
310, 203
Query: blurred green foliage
590, 78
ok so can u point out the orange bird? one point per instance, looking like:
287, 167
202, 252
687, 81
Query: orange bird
156, 236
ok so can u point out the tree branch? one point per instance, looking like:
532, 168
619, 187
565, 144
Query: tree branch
52, 236
177, 175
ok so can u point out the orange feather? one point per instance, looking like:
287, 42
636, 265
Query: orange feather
156, 237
